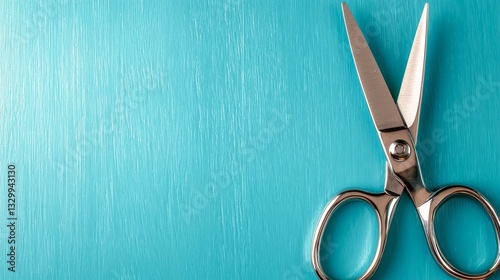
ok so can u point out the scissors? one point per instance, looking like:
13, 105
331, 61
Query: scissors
397, 127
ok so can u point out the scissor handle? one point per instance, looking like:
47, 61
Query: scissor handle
427, 213
383, 204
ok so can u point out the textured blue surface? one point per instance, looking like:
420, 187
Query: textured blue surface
201, 139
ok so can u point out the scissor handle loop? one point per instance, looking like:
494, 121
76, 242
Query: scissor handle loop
383, 204
427, 214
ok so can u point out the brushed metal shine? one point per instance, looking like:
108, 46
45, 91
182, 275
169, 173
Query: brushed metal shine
402, 173
410, 94
384, 112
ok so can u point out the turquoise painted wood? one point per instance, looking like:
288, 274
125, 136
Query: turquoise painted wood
201, 139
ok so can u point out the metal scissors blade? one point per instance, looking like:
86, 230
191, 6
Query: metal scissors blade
410, 94
403, 170
384, 111
376, 91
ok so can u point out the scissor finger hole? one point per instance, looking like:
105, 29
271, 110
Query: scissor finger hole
350, 240
465, 234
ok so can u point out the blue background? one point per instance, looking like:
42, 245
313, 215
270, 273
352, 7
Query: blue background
202, 139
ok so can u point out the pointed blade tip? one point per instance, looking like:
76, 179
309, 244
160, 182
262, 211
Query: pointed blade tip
345, 8
424, 18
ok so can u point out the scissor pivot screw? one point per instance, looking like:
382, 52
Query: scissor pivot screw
400, 150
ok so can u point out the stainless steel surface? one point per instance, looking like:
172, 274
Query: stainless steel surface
384, 205
400, 150
398, 141
427, 212
410, 94
384, 111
